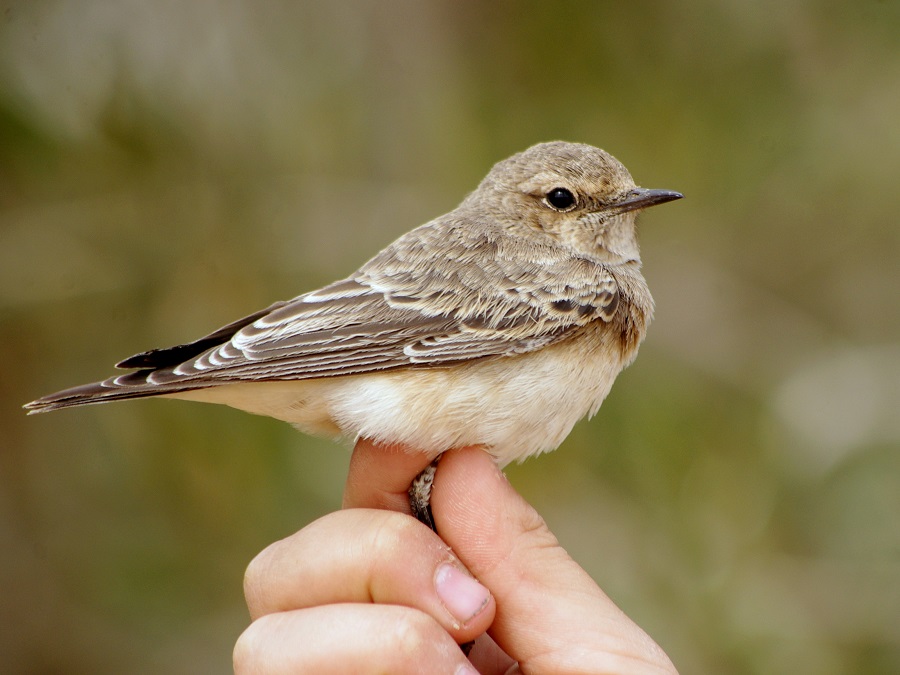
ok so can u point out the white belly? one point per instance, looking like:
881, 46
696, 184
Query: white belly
516, 407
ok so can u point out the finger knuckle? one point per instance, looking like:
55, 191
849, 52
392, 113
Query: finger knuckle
416, 638
255, 574
394, 534
249, 650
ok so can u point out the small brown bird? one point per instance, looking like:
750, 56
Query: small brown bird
500, 324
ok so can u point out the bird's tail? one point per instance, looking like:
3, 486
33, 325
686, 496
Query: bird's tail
155, 375
119, 388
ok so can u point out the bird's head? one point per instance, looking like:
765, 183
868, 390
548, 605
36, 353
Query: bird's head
576, 194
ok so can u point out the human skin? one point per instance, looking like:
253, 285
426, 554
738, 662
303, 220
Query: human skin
368, 589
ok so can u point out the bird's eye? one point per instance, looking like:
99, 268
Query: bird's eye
560, 199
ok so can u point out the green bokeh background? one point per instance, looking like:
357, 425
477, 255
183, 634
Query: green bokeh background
166, 167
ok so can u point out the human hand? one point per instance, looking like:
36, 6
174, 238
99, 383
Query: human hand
369, 589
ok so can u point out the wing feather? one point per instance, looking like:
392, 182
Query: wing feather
422, 301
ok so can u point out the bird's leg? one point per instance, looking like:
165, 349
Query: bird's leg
420, 494
420, 505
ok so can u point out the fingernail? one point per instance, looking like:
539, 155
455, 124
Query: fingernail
463, 597
466, 669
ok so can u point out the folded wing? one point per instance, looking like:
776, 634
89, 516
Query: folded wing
441, 296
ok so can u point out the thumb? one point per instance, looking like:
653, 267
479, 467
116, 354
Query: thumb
551, 616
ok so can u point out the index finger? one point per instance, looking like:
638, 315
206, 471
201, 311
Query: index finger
380, 475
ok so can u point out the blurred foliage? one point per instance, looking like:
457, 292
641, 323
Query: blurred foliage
166, 167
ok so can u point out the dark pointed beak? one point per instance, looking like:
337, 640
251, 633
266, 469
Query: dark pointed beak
641, 198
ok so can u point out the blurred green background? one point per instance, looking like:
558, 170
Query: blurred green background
167, 167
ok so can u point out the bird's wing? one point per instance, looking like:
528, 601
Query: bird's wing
436, 296
440, 296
